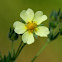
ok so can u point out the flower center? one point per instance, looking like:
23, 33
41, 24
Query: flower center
31, 26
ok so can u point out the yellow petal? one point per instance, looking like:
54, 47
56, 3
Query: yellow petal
28, 38
19, 27
38, 14
39, 17
42, 31
27, 15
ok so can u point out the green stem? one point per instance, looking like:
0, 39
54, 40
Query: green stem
18, 48
40, 51
12, 48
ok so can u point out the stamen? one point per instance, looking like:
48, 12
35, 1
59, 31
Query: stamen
31, 26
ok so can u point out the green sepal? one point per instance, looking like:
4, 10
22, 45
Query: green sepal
53, 24
22, 21
53, 20
54, 32
52, 36
53, 16
35, 36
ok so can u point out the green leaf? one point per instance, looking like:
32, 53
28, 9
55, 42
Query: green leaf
5, 58
60, 31
8, 59
60, 16
0, 55
1, 59
59, 11
9, 56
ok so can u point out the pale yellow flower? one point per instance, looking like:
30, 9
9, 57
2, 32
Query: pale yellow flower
32, 25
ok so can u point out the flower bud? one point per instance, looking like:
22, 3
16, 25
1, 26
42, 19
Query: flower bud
12, 35
54, 25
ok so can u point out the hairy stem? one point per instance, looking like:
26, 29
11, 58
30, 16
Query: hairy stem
20, 50
40, 51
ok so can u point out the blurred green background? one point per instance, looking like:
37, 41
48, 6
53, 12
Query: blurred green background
10, 12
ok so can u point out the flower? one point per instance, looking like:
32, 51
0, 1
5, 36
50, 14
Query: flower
32, 22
